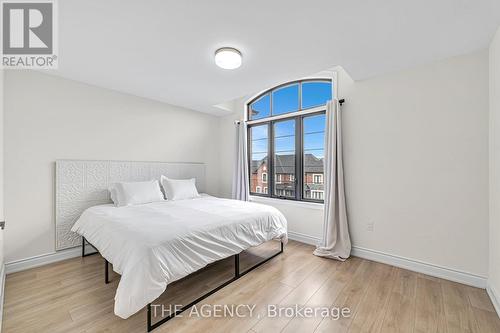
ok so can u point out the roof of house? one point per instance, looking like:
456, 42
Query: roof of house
286, 164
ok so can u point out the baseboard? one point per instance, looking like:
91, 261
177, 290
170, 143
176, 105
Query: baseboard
494, 296
303, 238
390, 259
402, 262
421, 267
44, 259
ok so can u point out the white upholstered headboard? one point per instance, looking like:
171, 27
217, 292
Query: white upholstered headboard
82, 184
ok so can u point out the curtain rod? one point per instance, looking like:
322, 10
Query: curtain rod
237, 122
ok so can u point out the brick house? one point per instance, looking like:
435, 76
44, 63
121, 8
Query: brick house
285, 176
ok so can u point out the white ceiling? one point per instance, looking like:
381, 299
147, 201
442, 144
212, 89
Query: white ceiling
163, 49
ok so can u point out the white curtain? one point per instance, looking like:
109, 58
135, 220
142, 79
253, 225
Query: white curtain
336, 242
241, 188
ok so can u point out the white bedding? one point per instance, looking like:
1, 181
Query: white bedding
154, 244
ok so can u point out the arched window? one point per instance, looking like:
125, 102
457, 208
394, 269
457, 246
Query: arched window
286, 127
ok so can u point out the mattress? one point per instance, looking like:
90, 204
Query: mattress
155, 244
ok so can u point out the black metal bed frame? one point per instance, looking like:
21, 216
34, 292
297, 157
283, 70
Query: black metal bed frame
237, 274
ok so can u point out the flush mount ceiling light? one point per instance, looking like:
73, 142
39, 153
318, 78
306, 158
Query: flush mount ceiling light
228, 58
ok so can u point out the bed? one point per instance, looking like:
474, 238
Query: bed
154, 244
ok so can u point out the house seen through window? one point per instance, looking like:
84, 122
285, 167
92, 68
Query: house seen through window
286, 140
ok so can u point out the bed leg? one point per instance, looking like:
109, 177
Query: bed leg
237, 274
83, 246
149, 318
106, 271
281, 244
237, 265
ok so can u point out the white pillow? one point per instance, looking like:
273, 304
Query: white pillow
178, 189
135, 193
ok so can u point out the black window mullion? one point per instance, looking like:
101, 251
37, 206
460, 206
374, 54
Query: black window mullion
300, 95
298, 158
271, 103
249, 157
271, 158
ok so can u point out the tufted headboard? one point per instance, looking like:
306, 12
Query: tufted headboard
82, 184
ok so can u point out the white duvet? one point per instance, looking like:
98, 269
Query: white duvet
155, 244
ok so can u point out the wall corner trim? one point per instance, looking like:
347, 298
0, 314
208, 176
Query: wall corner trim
494, 297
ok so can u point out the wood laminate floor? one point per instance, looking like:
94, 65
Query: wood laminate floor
70, 296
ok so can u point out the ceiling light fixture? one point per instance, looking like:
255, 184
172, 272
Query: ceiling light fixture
228, 58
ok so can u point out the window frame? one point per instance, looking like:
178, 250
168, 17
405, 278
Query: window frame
259, 97
264, 178
320, 177
298, 116
279, 88
299, 157
332, 80
282, 178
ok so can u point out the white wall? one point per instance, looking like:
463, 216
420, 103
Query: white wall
416, 161
416, 146
494, 232
49, 118
416, 156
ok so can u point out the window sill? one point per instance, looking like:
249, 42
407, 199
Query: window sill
304, 204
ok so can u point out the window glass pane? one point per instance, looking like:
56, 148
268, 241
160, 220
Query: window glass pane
315, 93
286, 99
284, 158
314, 153
259, 159
261, 108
